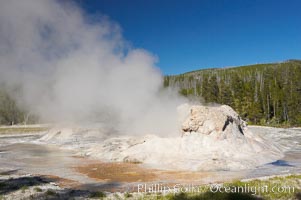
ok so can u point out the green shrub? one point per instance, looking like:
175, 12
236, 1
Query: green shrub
23, 188
50, 192
97, 194
37, 189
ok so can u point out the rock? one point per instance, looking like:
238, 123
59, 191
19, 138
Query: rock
221, 121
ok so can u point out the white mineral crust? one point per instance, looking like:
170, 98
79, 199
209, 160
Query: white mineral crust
211, 138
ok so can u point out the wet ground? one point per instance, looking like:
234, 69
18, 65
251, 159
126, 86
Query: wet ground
19, 154
290, 141
25, 157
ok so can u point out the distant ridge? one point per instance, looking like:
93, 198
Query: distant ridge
229, 67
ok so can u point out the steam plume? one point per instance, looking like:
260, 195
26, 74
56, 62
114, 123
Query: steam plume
73, 69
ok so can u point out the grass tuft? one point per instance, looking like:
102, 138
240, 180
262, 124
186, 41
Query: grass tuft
97, 194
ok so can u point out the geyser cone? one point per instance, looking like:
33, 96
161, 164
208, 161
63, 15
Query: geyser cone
214, 138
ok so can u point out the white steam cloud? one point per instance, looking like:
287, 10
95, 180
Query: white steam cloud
73, 69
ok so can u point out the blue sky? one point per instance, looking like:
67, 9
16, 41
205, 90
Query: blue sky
193, 34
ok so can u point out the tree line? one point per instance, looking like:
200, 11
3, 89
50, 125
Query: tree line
263, 94
11, 113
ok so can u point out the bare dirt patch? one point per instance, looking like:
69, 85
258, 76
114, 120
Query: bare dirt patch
129, 173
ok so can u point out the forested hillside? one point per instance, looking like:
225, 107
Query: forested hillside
265, 94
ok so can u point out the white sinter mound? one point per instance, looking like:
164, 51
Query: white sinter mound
213, 138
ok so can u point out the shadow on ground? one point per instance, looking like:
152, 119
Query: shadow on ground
8, 186
216, 196
13, 184
298, 196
